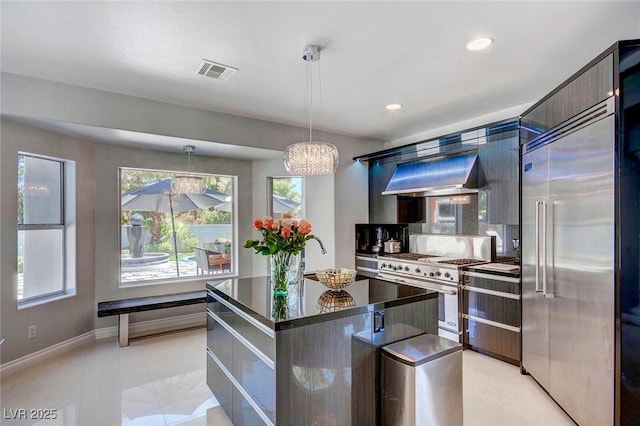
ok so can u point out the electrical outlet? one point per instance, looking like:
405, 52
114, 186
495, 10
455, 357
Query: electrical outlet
31, 333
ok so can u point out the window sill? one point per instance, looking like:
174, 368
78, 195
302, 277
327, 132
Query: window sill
45, 300
185, 280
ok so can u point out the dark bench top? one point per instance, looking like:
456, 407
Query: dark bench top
149, 303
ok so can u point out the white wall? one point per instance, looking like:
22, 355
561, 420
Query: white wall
47, 100
62, 319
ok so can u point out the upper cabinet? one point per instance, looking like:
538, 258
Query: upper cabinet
589, 86
382, 208
498, 195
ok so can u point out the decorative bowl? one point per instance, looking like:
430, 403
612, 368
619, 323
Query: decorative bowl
336, 279
335, 300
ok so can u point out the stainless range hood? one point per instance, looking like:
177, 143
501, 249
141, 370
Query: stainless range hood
444, 176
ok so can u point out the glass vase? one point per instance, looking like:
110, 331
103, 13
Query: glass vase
280, 307
286, 270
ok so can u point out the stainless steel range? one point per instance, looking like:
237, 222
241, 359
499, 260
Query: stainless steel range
434, 263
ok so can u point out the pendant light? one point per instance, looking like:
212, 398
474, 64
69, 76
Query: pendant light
188, 184
311, 157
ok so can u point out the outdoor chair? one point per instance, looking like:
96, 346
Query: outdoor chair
211, 261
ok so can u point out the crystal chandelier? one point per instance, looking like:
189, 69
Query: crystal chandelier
188, 184
312, 157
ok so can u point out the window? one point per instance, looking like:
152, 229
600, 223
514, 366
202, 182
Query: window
168, 234
45, 241
286, 197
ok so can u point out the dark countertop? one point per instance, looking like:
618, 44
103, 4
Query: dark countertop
486, 270
303, 305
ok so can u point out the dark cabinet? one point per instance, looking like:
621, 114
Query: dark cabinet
411, 209
498, 196
586, 88
382, 208
491, 314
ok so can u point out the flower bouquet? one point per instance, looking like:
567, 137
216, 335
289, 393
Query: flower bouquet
283, 240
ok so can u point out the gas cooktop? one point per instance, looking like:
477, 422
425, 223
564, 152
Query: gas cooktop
460, 262
406, 256
432, 258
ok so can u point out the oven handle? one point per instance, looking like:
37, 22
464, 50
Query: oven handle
491, 323
425, 286
491, 292
492, 277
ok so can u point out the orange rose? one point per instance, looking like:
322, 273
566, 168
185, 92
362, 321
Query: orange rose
286, 216
286, 232
267, 220
304, 227
258, 224
275, 225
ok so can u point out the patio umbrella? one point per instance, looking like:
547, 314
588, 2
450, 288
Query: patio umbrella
283, 205
159, 197
280, 205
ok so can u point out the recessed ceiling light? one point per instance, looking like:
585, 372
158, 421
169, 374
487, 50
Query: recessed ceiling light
393, 107
479, 43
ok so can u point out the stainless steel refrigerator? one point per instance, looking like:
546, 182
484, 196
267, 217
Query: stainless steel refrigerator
568, 237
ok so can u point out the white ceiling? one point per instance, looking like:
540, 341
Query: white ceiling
374, 53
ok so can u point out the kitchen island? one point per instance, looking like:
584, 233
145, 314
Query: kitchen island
312, 356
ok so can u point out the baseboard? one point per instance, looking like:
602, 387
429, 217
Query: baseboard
139, 329
36, 358
106, 332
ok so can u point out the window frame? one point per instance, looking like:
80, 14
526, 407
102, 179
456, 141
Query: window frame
186, 278
270, 181
66, 184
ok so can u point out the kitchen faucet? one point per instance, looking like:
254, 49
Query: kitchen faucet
324, 250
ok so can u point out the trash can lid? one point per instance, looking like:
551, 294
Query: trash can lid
421, 349
392, 333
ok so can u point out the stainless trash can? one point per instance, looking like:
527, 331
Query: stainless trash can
422, 382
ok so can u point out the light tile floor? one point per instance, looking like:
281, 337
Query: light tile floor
161, 380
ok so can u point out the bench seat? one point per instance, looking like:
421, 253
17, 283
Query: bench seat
124, 307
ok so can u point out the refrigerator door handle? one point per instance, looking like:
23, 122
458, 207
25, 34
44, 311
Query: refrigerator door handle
545, 213
537, 241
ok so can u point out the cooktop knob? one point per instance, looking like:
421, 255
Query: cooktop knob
431, 274
438, 273
417, 270
384, 265
406, 268
395, 268
447, 275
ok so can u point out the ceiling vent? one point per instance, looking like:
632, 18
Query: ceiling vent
216, 71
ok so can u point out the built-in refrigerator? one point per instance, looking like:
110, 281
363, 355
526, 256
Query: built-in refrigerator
568, 263
580, 240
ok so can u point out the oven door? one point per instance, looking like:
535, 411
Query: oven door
448, 316
448, 302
